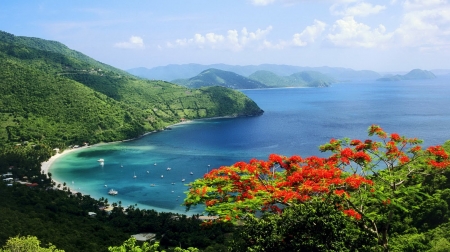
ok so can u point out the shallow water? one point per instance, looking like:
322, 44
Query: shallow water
296, 121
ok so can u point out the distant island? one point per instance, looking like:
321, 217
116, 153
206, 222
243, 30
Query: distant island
415, 74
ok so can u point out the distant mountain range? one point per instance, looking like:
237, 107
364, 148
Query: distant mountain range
186, 71
415, 74
259, 79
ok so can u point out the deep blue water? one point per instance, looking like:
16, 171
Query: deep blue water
296, 121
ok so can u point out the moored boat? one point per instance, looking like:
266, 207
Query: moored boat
113, 192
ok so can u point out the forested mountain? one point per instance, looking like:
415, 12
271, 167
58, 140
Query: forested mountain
216, 77
51, 94
185, 71
300, 79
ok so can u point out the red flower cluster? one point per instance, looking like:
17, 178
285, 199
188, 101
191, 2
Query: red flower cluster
354, 181
441, 158
352, 213
265, 185
377, 130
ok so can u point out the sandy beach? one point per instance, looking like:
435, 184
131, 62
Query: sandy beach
45, 166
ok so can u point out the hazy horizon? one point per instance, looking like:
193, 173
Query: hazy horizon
383, 36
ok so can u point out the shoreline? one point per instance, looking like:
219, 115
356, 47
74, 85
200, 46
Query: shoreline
46, 165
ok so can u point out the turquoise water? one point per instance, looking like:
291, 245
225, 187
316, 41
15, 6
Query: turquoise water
296, 121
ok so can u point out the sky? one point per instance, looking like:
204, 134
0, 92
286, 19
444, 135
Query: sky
382, 35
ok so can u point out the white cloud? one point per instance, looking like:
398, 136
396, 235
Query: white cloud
135, 42
262, 2
233, 40
425, 24
421, 4
355, 9
346, 32
309, 34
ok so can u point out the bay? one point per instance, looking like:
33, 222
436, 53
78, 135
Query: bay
296, 121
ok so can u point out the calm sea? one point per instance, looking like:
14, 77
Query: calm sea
296, 121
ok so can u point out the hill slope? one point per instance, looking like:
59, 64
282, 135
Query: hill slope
216, 77
49, 93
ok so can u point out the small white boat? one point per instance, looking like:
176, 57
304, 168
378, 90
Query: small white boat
183, 180
192, 173
162, 176
152, 184
173, 183
154, 164
148, 171
134, 175
168, 168
101, 160
113, 192
106, 185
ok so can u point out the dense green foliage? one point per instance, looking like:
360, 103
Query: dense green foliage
27, 244
51, 94
319, 226
61, 218
300, 79
216, 77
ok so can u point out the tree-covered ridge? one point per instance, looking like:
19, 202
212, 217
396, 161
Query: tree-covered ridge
52, 94
48, 46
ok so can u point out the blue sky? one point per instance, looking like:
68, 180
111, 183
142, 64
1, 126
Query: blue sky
384, 36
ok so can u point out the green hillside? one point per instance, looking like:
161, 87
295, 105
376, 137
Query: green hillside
51, 94
216, 77
300, 79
